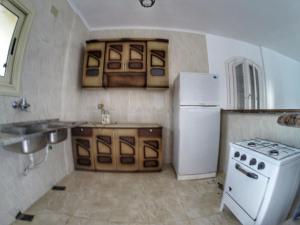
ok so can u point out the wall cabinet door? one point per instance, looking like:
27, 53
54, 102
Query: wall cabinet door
115, 57
158, 64
150, 149
127, 149
104, 151
93, 64
135, 60
82, 153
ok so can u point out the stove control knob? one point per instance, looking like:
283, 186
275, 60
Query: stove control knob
252, 162
243, 157
236, 154
261, 166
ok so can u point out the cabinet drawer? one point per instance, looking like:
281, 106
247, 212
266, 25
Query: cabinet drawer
82, 131
150, 132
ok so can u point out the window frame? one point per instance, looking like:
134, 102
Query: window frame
231, 64
10, 83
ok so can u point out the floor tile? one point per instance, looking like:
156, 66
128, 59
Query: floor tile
131, 199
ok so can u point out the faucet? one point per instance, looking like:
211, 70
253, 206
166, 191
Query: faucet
21, 104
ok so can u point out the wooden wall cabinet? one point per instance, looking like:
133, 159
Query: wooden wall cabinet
117, 149
93, 65
158, 64
83, 148
126, 63
125, 57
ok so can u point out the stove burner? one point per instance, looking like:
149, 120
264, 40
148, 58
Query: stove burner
252, 144
274, 152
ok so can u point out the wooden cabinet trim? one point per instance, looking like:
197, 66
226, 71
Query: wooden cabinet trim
150, 132
127, 40
82, 131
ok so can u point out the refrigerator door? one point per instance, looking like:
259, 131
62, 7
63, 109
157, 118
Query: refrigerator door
199, 89
199, 135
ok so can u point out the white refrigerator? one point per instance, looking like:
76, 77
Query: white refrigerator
196, 125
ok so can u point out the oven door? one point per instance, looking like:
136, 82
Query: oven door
246, 187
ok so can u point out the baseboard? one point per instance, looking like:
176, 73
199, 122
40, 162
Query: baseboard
196, 176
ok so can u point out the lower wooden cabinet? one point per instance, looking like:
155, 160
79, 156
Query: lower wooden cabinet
127, 149
117, 149
104, 153
83, 148
150, 149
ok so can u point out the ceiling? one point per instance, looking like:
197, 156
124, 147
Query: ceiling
271, 23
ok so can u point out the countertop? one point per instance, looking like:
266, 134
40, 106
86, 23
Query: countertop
121, 125
7, 139
266, 111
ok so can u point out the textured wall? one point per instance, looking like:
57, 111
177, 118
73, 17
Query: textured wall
52, 42
142, 105
282, 80
240, 126
220, 50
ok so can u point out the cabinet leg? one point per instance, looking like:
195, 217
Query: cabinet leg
222, 206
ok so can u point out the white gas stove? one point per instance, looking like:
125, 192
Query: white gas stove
262, 181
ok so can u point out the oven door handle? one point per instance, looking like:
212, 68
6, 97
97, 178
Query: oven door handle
248, 174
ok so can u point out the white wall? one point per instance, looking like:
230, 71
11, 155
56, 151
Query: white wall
220, 50
53, 43
282, 74
282, 80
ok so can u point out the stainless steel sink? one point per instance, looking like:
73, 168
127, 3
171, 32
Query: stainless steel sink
29, 145
36, 136
57, 136
23, 130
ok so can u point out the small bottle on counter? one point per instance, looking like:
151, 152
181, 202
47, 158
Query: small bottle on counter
105, 117
101, 108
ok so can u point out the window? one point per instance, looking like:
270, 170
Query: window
15, 21
246, 86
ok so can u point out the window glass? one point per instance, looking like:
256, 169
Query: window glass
257, 88
240, 86
252, 94
8, 22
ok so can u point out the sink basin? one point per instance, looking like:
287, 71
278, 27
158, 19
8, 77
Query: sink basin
57, 136
29, 145
36, 136
22, 130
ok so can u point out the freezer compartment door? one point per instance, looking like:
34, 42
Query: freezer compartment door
199, 89
199, 135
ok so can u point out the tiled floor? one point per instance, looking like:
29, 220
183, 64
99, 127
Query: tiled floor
131, 199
